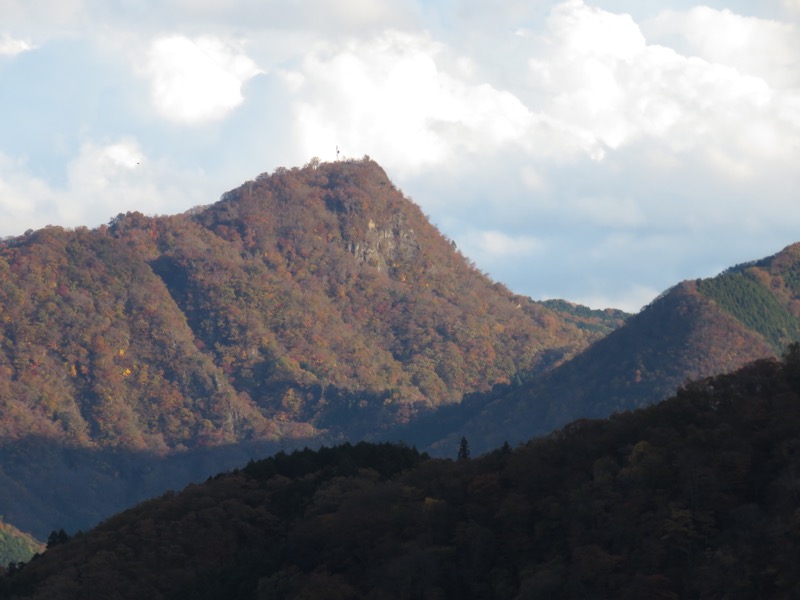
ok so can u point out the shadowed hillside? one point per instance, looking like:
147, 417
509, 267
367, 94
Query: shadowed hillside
695, 329
692, 498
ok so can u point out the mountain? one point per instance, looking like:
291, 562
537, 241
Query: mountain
308, 305
695, 329
311, 306
695, 497
315, 301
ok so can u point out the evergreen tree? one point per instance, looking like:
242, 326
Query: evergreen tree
57, 537
463, 449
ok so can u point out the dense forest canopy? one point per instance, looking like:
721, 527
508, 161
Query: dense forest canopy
314, 302
692, 498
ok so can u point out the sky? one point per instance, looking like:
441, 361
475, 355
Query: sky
597, 151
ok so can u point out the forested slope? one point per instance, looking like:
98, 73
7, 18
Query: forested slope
692, 498
315, 301
695, 329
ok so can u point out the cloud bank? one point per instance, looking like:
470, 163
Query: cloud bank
597, 151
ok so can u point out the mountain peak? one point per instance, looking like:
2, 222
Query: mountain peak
350, 203
314, 301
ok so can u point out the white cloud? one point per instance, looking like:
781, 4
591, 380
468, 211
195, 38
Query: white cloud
102, 180
491, 246
533, 179
587, 30
106, 179
22, 198
10, 46
614, 213
100, 169
125, 154
326, 18
359, 13
630, 298
388, 97
594, 85
596, 73
761, 48
554, 149
194, 80
44, 18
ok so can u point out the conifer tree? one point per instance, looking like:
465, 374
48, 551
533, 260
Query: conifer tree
463, 449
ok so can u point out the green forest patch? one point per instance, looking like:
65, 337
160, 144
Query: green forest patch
753, 305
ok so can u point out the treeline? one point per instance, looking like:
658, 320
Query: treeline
691, 498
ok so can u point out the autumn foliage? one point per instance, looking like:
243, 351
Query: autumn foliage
692, 498
311, 306
309, 302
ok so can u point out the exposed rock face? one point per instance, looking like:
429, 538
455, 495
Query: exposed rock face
388, 245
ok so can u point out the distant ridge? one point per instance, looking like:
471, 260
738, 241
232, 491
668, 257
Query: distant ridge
695, 329
693, 498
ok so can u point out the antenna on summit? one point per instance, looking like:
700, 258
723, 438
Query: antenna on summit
337, 153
